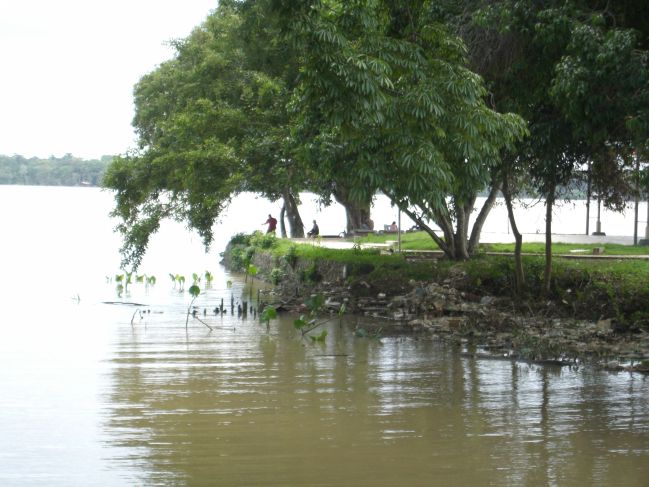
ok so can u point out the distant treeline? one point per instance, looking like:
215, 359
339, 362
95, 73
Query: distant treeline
64, 171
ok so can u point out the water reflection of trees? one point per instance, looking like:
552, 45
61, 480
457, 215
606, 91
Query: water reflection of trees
556, 426
240, 407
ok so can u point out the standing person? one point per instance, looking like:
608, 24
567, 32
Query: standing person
272, 224
315, 231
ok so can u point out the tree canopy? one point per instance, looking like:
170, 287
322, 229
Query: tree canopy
428, 102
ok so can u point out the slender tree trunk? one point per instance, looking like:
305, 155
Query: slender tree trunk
547, 275
282, 225
444, 247
474, 240
444, 222
292, 213
518, 246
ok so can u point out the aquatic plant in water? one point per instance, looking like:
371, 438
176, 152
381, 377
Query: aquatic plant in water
268, 314
307, 323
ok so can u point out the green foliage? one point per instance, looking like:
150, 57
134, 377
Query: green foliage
194, 290
315, 302
240, 239
291, 256
238, 258
211, 122
321, 338
123, 281
263, 240
276, 275
177, 280
268, 314
311, 274
300, 323
386, 100
307, 323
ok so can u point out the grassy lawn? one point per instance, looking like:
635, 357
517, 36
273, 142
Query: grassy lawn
421, 241
634, 272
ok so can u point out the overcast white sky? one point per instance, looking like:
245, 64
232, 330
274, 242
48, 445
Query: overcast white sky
68, 67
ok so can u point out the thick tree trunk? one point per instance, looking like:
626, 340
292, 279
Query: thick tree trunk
357, 213
293, 215
282, 225
547, 275
518, 246
460, 237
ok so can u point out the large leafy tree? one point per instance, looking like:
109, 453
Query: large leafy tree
577, 72
211, 122
386, 86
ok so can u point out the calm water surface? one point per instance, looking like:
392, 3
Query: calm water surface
87, 398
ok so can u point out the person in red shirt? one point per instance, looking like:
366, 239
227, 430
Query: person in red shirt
272, 224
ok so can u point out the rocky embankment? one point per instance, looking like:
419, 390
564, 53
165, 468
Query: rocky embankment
448, 310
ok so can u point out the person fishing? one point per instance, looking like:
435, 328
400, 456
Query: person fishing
315, 231
272, 224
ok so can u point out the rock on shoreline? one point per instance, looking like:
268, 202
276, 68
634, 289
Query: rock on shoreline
447, 310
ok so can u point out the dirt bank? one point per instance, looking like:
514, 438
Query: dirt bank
454, 309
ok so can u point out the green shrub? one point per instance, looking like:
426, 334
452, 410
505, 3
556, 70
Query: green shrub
240, 239
276, 276
291, 256
263, 240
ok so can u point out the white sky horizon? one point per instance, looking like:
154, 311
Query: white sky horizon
69, 68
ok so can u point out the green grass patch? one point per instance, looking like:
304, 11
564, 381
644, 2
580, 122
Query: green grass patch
567, 248
409, 241
422, 241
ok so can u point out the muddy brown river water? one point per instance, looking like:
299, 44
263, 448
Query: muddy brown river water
87, 398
